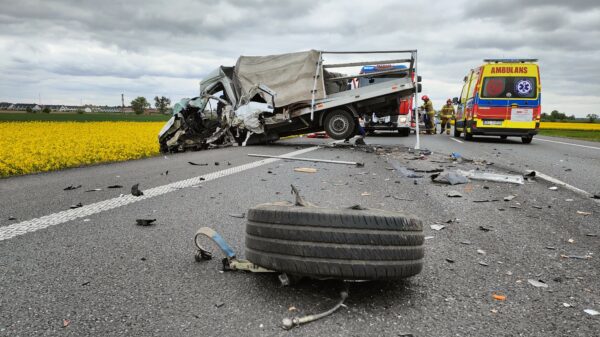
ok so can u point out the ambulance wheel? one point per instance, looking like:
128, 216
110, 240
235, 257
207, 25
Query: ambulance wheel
340, 124
527, 140
349, 244
456, 132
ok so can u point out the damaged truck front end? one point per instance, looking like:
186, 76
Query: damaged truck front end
263, 98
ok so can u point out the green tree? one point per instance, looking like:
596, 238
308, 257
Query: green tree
592, 117
29, 110
139, 105
555, 115
162, 104
46, 110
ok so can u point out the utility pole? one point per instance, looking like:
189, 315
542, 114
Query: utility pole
415, 107
122, 103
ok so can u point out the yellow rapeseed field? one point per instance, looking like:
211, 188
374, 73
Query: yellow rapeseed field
570, 126
28, 147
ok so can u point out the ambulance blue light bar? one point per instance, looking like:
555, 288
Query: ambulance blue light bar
510, 60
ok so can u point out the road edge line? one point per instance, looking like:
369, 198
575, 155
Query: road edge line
555, 181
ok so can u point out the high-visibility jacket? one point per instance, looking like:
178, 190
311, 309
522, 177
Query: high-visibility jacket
428, 107
447, 111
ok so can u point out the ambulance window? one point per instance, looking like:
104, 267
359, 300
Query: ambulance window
501, 87
472, 84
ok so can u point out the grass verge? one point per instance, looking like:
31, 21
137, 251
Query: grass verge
593, 136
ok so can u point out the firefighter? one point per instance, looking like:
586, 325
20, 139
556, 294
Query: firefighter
446, 114
430, 114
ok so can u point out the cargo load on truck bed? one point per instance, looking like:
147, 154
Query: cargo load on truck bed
263, 98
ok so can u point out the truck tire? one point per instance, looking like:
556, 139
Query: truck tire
527, 140
339, 124
332, 243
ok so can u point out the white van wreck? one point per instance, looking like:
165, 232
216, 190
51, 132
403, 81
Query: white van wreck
263, 98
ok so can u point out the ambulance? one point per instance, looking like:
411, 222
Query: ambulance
502, 98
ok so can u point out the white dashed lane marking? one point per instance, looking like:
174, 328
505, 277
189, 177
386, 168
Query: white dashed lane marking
33, 225
457, 140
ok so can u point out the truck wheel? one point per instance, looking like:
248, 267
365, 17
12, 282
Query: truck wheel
340, 124
335, 243
404, 132
527, 140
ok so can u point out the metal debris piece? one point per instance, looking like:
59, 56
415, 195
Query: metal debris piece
449, 177
219, 304
571, 241
144, 222
314, 160
94, 190
289, 323
135, 190
487, 176
299, 200
449, 260
577, 257
71, 187
437, 227
553, 188
509, 197
483, 263
588, 234
115, 186
196, 164
12, 218
485, 229
537, 284
465, 242
453, 194
403, 171
591, 312
402, 199
365, 194
567, 305
481, 251
538, 207
305, 169
482, 200
550, 248
237, 215
76, 206
66, 323
429, 237
584, 213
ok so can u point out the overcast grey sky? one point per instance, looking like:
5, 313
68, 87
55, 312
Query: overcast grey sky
71, 51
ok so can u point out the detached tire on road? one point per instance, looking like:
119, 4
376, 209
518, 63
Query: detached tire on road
335, 243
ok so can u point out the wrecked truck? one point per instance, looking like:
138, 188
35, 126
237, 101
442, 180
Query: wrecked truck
263, 98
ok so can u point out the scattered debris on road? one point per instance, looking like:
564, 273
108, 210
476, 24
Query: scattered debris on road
66, 323
237, 215
135, 190
145, 222
537, 283
584, 213
12, 218
71, 187
76, 206
553, 188
315, 160
499, 297
365, 194
485, 229
437, 227
509, 197
449, 177
305, 169
196, 164
591, 312
577, 257
115, 186
453, 194
94, 190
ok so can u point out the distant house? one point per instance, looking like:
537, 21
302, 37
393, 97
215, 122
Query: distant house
70, 108
24, 106
5, 105
53, 107
112, 109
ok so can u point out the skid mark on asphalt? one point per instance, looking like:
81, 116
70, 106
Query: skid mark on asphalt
33, 225
565, 143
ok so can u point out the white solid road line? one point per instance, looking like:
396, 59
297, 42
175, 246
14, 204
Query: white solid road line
8, 232
555, 181
456, 140
565, 143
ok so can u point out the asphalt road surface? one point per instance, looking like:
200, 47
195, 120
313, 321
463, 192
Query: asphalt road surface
92, 272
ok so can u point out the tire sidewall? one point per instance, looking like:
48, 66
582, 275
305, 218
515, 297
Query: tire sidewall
340, 124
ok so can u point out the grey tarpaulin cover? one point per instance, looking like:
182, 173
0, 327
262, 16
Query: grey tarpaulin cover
291, 76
